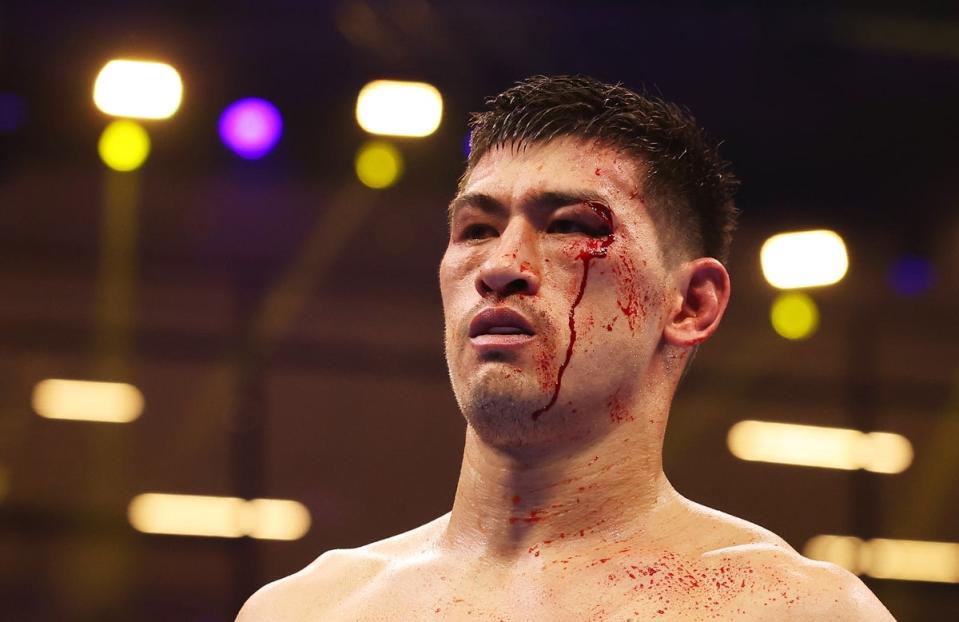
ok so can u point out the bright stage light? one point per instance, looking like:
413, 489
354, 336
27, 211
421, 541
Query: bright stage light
817, 446
885, 558
911, 560
840, 550
251, 127
794, 315
394, 108
804, 259
219, 517
187, 515
124, 145
138, 89
277, 519
378, 165
81, 400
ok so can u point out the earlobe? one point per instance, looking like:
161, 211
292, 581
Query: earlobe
704, 291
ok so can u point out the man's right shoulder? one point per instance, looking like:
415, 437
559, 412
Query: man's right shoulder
312, 592
323, 587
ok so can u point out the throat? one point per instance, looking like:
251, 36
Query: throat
509, 508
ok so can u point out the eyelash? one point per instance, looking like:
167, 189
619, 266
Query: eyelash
560, 226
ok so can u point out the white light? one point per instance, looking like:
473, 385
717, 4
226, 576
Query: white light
138, 89
393, 108
818, 446
885, 558
82, 400
221, 517
804, 259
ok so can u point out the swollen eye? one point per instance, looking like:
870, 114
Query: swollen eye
564, 226
478, 232
573, 226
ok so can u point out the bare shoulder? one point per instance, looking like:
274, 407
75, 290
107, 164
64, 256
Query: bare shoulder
841, 595
782, 580
317, 590
310, 592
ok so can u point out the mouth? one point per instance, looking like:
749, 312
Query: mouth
500, 328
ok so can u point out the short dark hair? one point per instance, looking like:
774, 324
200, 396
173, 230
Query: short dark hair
688, 186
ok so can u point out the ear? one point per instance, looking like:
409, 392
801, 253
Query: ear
703, 289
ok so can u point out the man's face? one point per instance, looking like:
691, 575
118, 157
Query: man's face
553, 276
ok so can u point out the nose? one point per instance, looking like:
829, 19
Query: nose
512, 268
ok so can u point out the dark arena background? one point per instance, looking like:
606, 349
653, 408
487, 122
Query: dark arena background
221, 332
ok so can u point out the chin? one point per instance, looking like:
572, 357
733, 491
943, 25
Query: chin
502, 415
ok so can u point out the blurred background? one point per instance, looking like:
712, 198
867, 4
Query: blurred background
221, 332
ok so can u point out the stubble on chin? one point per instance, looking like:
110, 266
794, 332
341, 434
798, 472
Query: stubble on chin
500, 411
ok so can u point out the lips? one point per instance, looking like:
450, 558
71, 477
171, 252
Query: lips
499, 330
500, 321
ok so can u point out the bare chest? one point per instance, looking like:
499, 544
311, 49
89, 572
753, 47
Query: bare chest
606, 591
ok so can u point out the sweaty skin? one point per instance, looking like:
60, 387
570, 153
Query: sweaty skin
562, 511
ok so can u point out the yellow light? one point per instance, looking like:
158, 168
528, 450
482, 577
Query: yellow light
395, 108
911, 560
794, 315
278, 519
804, 259
817, 446
124, 145
187, 515
882, 452
840, 550
220, 517
138, 89
378, 164
81, 400
884, 558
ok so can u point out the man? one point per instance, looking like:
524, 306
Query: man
584, 267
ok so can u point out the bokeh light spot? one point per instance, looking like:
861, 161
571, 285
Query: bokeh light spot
12, 112
911, 276
378, 165
138, 89
124, 145
794, 315
395, 108
251, 127
804, 259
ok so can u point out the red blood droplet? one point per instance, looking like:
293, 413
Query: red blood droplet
595, 248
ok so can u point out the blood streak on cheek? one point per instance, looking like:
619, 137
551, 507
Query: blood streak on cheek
595, 248
627, 296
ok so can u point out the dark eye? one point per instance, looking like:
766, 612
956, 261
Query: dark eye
564, 226
573, 226
478, 232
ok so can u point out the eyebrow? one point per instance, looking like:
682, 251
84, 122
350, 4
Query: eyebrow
550, 200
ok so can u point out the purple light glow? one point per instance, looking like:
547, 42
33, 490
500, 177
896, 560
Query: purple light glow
251, 127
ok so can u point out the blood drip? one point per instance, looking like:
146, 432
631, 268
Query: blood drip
595, 248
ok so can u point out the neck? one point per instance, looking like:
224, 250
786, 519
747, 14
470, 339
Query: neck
611, 490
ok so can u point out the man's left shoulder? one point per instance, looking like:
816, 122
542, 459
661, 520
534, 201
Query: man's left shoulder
839, 594
810, 590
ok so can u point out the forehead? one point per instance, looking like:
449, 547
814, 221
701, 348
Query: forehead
561, 164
